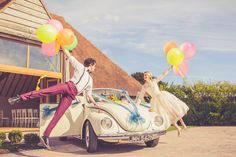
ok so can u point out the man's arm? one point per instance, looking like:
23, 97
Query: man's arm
89, 93
92, 100
67, 53
74, 62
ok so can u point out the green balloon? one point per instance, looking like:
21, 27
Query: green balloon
73, 45
175, 56
46, 33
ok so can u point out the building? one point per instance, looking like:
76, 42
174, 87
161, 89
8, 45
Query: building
22, 63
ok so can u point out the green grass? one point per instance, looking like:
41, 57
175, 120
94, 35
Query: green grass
173, 128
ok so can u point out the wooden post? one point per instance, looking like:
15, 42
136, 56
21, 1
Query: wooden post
28, 56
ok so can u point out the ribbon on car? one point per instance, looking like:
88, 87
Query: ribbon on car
48, 111
144, 105
134, 116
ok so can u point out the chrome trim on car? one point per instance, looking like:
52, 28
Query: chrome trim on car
126, 136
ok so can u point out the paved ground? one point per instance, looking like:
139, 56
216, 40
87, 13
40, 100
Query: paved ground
195, 142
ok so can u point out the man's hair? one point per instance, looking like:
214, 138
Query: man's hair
89, 61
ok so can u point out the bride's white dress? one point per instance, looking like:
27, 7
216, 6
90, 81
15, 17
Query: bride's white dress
164, 103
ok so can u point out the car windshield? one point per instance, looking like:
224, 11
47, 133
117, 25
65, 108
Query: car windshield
111, 95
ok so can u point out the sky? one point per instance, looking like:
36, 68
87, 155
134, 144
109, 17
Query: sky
132, 33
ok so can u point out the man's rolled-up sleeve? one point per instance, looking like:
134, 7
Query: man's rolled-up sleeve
75, 63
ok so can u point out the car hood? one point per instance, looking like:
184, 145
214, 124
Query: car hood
125, 119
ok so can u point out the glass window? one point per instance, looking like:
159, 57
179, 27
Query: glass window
12, 53
42, 62
109, 95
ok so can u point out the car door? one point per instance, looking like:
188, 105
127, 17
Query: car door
69, 123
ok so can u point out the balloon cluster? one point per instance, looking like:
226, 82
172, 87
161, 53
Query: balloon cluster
53, 35
179, 56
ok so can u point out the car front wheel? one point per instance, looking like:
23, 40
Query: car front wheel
152, 143
91, 139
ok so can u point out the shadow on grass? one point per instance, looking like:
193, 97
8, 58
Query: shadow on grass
76, 146
173, 128
8, 147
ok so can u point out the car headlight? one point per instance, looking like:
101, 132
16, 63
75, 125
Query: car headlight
106, 123
158, 120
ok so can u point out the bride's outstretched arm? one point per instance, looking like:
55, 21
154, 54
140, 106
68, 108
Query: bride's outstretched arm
140, 95
163, 75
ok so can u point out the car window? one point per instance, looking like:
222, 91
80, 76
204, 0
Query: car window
98, 98
108, 95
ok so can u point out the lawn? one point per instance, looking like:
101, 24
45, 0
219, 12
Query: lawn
173, 128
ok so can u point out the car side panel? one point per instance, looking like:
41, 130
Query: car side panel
68, 125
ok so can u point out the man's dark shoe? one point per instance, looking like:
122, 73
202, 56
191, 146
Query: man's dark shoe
45, 141
14, 100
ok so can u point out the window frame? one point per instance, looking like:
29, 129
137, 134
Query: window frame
26, 70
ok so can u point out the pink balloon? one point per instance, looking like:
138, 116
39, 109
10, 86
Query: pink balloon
188, 49
49, 49
183, 68
57, 24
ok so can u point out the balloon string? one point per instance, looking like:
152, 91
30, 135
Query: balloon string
185, 79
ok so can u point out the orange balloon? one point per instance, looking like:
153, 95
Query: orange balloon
168, 46
65, 37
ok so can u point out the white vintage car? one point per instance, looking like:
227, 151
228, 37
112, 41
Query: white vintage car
117, 119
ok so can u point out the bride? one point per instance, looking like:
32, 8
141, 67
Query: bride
164, 103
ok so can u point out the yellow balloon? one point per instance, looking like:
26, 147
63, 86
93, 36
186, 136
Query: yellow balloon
46, 33
175, 56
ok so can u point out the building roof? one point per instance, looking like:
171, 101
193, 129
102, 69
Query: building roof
21, 18
3, 3
107, 73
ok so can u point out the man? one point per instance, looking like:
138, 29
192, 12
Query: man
81, 81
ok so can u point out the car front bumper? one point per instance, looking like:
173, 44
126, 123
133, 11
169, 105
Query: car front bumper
132, 137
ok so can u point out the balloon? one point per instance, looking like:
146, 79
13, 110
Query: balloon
65, 37
168, 46
188, 49
46, 33
57, 24
175, 56
73, 45
182, 69
49, 49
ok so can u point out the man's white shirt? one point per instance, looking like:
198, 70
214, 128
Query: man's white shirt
81, 77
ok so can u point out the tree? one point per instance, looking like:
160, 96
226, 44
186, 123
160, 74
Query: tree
138, 76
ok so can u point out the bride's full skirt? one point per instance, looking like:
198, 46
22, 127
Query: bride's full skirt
169, 107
